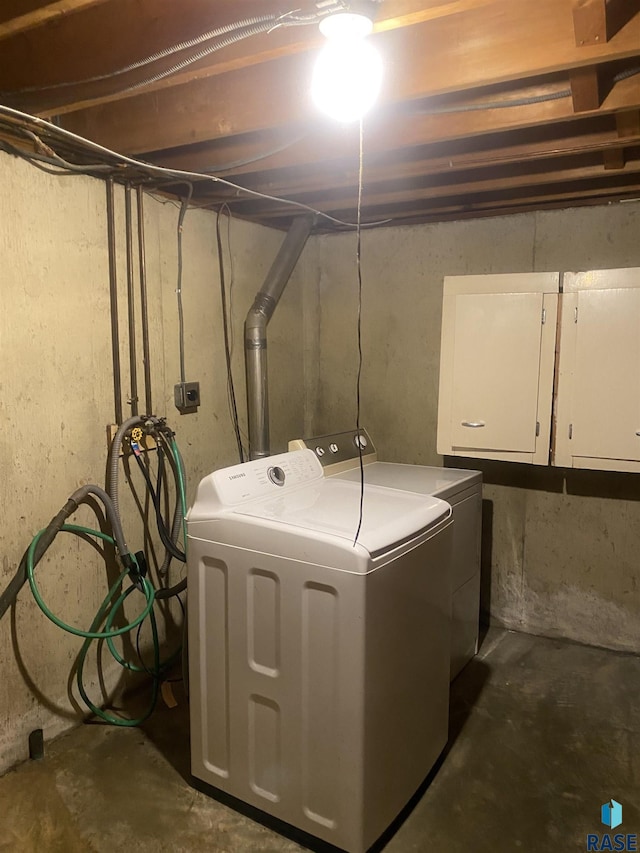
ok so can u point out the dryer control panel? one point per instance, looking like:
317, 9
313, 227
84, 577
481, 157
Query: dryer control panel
339, 449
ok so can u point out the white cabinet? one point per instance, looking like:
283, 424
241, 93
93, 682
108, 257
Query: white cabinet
598, 402
496, 370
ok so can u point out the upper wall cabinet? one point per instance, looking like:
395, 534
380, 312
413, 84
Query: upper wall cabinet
598, 401
497, 364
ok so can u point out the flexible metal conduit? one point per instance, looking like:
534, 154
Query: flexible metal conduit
255, 333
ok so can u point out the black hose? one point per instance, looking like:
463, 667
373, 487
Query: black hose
169, 591
162, 530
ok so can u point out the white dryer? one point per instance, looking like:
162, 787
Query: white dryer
339, 456
319, 668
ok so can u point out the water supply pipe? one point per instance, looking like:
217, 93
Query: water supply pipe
113, 301
255, 333
131, 313
144, 309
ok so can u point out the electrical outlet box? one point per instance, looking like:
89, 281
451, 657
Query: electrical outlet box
187, 397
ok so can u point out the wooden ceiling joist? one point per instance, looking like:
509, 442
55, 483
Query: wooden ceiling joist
136, 127
443, 56
487, 105
109, 46
17, 16
346, 175
596, 21
514, 179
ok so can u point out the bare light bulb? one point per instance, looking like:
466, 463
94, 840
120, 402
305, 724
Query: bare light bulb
348, 73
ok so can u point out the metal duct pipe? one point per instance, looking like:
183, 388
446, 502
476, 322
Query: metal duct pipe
255, 333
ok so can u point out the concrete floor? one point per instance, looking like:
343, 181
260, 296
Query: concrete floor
542, 733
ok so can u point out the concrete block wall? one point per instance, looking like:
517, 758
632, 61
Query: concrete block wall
56, 399
564, 545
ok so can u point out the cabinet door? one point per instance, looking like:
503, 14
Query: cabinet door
600, 390
496, 364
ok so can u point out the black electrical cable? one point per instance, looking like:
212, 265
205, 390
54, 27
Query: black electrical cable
183, 210
166, 528
148, 171
359, 269
37, 161
155, 498
506, 103
227, 346
157, 674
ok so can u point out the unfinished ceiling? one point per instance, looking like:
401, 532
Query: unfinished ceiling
488, 106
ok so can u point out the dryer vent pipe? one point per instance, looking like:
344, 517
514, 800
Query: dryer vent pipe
255, 333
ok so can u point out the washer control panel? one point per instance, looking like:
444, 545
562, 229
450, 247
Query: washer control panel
337, 448
264, 477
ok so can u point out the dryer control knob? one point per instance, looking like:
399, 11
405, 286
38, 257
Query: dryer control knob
360, 441
320, 451
276, 475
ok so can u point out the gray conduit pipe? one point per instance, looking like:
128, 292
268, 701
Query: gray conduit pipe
144, 309
113, 300
255, 333
131, 313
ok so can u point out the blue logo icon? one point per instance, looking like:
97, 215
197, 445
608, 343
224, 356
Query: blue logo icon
611, 814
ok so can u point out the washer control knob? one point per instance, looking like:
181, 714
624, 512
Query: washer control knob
319, 451
333, 447
276, 475
360, 441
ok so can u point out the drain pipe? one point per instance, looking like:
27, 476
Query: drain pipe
255, 333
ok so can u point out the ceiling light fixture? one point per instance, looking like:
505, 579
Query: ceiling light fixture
348, 72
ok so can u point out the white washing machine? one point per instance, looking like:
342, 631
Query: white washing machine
319, 668
339, 456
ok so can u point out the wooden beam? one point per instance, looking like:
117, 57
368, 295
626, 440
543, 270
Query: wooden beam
474, 207
628, 123
596, 21
345, 174
17, 16
97, 42
585, 89
514, 204
614, 159
193, 121
280, 154
505, 41
590, 21
493, 184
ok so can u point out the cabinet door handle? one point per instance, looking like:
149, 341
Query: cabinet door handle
475, 424
638, 432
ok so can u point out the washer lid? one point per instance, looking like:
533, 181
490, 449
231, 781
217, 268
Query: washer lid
422, 479
332, 507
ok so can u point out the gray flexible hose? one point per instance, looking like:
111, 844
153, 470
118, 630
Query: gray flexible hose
51, 531
247, 32
112, 512
114, 458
